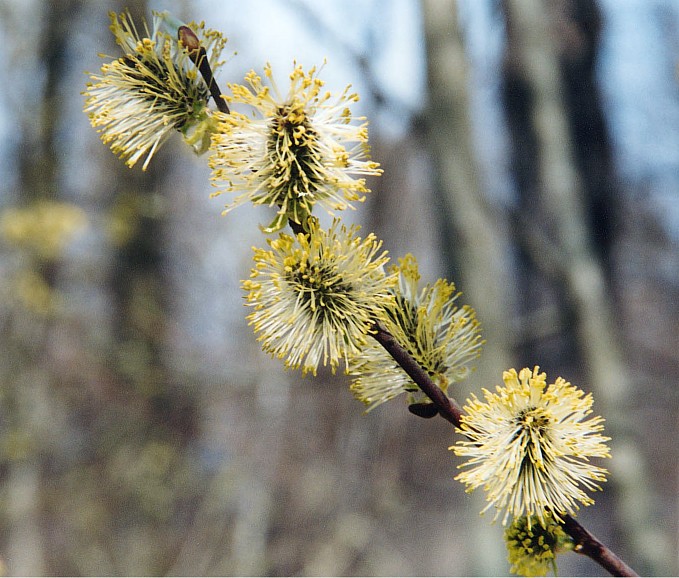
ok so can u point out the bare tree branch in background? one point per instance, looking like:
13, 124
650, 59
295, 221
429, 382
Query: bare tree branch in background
361, 58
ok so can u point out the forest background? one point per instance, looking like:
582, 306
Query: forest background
531, 155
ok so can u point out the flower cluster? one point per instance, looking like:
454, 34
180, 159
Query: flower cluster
441, 337
300, 148
532, 545
315, 296
153, 90
529, 446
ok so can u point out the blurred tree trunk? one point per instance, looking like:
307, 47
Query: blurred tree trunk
474, 232
565, 206
34, 413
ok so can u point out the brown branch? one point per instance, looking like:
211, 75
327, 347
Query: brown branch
588, 545
448, 409
296, 227
198, 56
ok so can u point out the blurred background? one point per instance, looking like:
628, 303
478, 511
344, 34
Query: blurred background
531, 154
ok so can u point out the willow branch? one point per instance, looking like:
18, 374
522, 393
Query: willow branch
446, 407
198, 56
588, 545
296, 227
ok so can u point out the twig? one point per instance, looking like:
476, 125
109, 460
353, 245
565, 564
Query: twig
198, 56
296, 227
448, 409
588, 545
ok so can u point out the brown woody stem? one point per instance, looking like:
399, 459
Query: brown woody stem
448, 409
296, 227
198, 56
588, 545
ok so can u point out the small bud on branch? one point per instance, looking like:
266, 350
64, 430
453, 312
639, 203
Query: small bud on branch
189, 39
198, 56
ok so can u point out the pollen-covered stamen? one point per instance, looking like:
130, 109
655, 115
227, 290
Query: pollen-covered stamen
152, 77
297, 150
529, 447
322, 290
138, 100
532, 430
433, 360
294, 169
315, 295
438, 335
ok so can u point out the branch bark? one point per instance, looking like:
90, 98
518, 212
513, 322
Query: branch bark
447, 408
588, 545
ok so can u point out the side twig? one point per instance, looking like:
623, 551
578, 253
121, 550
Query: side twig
448, 409
198, 56
588, 545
